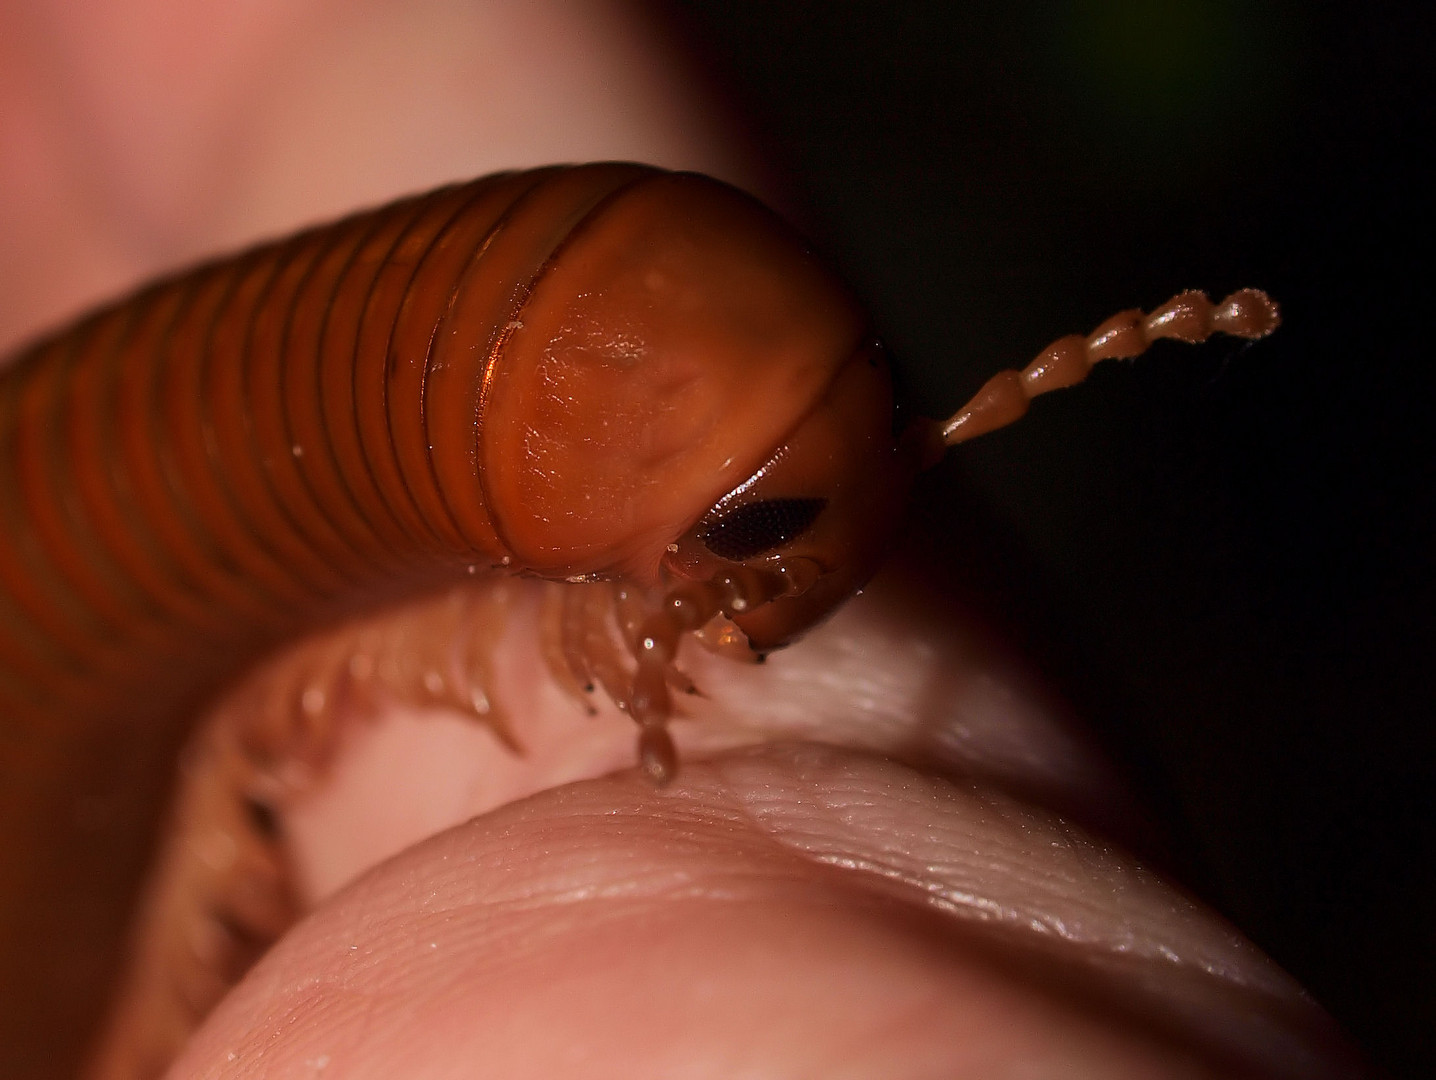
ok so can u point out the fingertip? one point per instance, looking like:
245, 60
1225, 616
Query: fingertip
790, 910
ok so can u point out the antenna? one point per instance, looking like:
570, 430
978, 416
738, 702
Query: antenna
1188, 316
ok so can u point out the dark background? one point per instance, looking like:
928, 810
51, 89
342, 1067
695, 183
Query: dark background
1222, 556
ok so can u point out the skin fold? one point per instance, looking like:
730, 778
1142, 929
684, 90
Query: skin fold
887, 853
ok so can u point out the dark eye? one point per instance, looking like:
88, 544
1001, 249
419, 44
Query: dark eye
757, 527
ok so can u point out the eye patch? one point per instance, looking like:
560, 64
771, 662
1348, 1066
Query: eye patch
757, 527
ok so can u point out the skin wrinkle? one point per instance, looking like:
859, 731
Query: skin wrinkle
1016, 866
896, 861
555, 874
527, 916
1018, 872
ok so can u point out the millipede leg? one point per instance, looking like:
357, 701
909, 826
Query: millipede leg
600, 649
554, 644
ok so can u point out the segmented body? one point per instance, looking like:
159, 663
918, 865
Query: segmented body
638, 382
221, 462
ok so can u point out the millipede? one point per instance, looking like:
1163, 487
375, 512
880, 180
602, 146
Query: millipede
642, 386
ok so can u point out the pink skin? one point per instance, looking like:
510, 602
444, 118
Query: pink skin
785, 908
